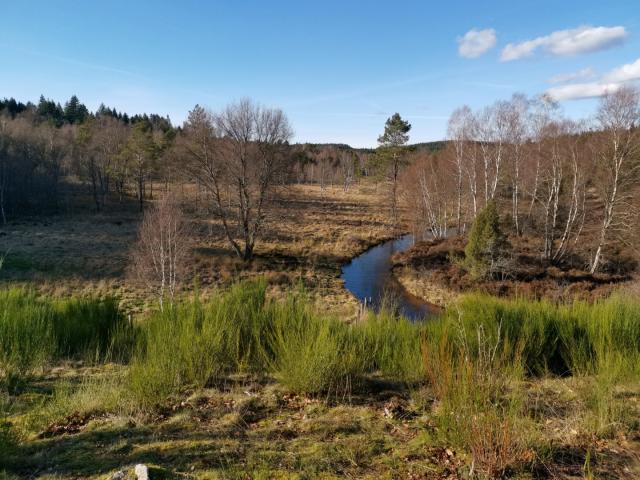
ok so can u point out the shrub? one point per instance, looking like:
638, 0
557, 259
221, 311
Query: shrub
314, 354
477, 353
487, 245
393, 346
471, 374
194, 343
27, 338
34, 331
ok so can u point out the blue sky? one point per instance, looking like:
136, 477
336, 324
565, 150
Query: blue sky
337, 68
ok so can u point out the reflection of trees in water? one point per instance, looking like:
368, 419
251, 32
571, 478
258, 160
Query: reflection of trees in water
396, 299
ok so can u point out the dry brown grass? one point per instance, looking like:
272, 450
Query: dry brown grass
311, 234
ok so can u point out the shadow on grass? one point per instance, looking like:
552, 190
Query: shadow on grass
99, 452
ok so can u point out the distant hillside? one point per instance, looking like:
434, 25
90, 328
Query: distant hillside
430, 146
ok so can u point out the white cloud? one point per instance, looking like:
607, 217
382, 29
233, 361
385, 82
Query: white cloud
625, 73
582, 90
574, 41
609, 83
476, 42
584, 74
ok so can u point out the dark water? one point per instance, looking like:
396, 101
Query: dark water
369, 278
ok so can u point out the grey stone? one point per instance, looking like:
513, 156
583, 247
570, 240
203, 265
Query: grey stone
142, 472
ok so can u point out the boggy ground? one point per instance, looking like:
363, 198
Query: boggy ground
430, 271
311, 234
247, 428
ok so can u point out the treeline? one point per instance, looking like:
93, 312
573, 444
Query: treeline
73, 112
108, 156
573, 184
107, 151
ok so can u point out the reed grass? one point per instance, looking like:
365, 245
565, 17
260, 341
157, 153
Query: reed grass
35, 331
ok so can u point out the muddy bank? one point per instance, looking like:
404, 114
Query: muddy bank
433, 270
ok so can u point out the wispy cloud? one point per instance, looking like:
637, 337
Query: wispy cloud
584, 74
582, 90
609, 83
72, 61
585, 39
475, 43
366, 90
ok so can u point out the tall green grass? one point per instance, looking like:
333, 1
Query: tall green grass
574, 339
478, 353
196, 343
35, 331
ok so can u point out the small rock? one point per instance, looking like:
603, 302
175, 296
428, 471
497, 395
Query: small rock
119, 475
142, 472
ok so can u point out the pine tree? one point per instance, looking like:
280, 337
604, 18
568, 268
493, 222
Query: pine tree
390, 155
74, 111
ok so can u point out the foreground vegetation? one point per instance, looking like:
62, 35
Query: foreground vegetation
240, 385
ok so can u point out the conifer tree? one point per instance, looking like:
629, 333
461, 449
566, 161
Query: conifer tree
390, 154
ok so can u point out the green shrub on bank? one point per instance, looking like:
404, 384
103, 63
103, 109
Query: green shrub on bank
196, 343
393, 346
573, 339
485, 252
314, 354
509, 339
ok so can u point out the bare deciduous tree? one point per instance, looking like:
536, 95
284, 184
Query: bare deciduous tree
516, 113
429, 192
491, 132
561, 189
460, 131
616, 150
159, 256
238, 154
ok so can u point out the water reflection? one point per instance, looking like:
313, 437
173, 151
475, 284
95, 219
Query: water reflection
369, 278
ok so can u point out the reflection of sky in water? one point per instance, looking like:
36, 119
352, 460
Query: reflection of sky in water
369, 278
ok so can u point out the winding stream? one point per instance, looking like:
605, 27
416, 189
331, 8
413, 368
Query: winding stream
369, 278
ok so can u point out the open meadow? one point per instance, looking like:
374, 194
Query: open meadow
314, 231
320, 240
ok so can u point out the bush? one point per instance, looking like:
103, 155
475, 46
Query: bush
34, 332
476, 355
195, 343
393, 346
487, 245
314, 354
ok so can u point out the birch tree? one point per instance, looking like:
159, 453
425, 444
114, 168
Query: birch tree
616, 149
